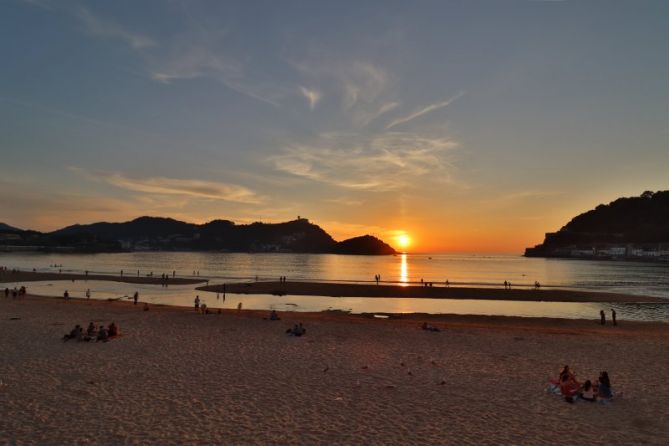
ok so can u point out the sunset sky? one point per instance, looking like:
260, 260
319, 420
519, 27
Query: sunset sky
467, 125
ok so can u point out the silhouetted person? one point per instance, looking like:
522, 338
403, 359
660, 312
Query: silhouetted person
506, 285
602, 317
135, 297
613, 316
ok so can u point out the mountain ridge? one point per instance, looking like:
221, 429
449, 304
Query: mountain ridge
163, 233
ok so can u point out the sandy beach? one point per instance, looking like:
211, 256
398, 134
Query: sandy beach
435, 292
179, 377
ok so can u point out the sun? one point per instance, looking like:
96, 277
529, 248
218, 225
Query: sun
403, 240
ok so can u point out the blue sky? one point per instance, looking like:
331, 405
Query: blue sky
470, 125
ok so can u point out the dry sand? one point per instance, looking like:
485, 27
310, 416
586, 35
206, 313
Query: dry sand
178, 377
435, 292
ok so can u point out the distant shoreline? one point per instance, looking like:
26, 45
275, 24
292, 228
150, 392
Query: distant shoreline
421, 292
128, 277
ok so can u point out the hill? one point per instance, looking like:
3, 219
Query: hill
364, 245
5, 227
626, 227
158, 233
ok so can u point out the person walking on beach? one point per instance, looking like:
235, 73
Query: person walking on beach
197, 303
66, 295
613, 316
88, 293
506, 285
603, 317
135, 297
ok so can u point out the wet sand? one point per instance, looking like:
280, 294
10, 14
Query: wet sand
435, 292
179, 377
28, 276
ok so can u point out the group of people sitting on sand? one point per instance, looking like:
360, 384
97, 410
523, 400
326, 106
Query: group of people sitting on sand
571, 388
93, 333
297, 330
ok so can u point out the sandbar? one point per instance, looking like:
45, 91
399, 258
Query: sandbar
435, 292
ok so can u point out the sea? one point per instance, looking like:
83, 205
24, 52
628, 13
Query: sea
479, 270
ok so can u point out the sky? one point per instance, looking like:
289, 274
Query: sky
467, 126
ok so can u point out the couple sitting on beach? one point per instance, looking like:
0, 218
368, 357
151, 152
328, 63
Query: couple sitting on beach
571, 388
101, 333
297, 330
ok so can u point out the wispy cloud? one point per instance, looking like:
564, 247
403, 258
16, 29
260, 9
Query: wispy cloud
376, 164
423, 111
176, 186
99, 27
363, 118
312, 95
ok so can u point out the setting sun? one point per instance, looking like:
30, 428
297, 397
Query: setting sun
403, 240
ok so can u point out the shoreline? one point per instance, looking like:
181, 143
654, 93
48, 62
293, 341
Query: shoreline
422, 292
29, 276
539, 323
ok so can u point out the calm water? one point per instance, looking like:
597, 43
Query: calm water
463, 270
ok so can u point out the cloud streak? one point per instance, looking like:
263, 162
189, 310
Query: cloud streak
312, 95
176, 186
423, 111
376, 164
99, 27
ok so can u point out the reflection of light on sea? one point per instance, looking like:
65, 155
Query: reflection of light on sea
404, 269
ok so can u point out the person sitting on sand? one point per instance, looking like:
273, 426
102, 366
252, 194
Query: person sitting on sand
90, 331
588, 392
429, 327
569, 386
273, 316
604, 387
76, 333
113, 330
103, 334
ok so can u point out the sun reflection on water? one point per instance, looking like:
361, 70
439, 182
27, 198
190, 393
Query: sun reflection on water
404, 270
